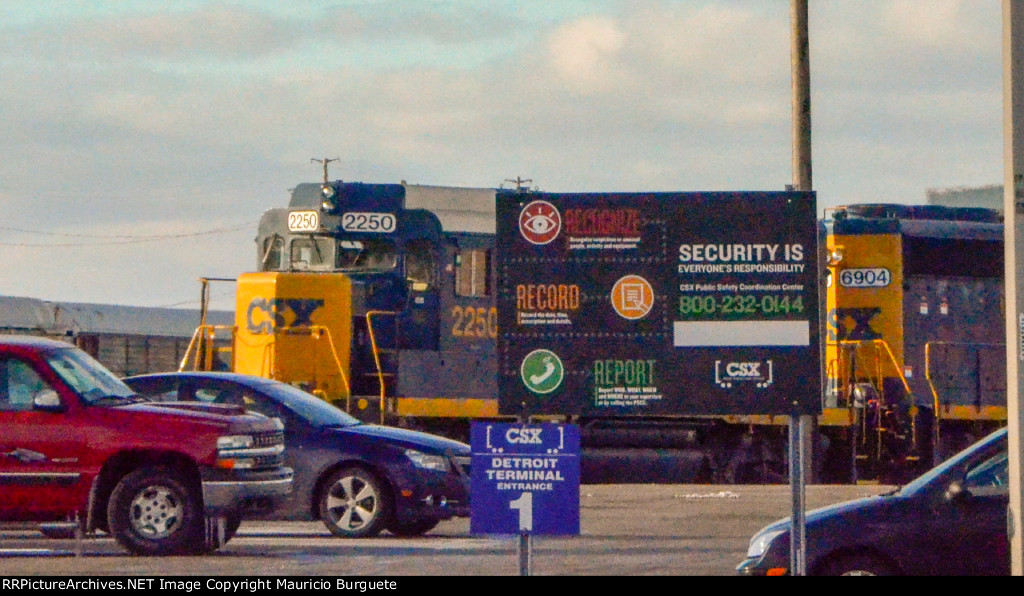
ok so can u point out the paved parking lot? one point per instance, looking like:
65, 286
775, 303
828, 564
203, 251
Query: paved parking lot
624, 530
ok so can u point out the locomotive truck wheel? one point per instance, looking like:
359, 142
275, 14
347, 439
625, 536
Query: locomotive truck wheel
155, 511
417, 527
354, 503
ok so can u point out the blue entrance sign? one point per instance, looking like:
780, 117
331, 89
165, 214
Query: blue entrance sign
526, 479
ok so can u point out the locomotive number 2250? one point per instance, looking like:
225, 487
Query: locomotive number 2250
468, 321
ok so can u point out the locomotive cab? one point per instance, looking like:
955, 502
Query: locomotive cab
422, 332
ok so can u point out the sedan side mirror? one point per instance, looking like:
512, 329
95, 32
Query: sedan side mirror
957, 492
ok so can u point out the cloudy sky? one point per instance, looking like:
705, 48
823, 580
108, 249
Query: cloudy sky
141, 140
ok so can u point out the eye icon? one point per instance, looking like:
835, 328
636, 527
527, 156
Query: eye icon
540, 222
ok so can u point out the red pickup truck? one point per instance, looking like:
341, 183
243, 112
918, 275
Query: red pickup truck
76, 444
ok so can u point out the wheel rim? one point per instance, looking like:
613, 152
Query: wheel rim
156, 512
352, 503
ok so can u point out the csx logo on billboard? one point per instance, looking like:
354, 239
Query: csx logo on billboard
743, 369
761, 373
264, 315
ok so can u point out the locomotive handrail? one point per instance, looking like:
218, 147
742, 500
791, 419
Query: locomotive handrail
857, 345
320, 330
935, 393
376, 353
207, 334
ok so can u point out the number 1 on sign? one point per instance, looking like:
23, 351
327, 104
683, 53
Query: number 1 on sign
525, 506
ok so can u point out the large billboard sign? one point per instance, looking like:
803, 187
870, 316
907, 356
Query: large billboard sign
658, 303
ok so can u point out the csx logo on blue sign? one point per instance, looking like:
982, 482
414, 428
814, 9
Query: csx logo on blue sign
529, 436
264, 315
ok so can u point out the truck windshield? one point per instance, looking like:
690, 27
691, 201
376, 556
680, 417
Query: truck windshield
90, 379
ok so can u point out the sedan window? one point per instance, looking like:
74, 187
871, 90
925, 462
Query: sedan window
990, 477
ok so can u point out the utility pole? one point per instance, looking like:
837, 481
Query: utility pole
1013, 242
801, 435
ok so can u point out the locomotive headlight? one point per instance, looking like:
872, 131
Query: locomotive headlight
835, 256
327, 197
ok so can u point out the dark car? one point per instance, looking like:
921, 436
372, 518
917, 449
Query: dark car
950, 521
357, 478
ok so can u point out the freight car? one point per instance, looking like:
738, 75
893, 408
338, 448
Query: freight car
126, 339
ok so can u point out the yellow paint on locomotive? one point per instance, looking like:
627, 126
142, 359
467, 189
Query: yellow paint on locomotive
864, 319
296, 328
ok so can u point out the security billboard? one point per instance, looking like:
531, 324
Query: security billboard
613, 304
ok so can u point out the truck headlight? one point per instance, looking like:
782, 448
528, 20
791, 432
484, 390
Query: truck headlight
234, 442
759, 544
427, 461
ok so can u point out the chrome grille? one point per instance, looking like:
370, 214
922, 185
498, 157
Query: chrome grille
268, 439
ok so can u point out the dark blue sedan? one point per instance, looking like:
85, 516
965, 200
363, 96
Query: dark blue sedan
358, 479
950, 521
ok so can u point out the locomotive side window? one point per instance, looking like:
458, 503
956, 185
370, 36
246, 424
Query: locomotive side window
272, 248
472, 273
312, 253
419, 262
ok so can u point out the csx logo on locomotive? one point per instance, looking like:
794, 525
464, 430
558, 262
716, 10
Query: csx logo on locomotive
264, 315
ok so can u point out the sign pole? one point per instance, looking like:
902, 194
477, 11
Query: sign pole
797, 482
525, 554
1013, 233
800, 426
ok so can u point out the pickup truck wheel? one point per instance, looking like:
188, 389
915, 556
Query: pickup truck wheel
155, 511
354, 503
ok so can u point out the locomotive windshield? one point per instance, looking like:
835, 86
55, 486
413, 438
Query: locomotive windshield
326, 253
366, 255
312, 253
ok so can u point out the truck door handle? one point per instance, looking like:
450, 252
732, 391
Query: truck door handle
26, 455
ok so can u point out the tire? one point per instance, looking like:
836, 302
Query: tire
417, 527
354, 503
156, 511
857, 564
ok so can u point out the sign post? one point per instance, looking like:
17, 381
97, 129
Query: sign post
525, 481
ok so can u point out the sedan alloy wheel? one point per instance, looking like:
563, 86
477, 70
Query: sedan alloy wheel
355, 504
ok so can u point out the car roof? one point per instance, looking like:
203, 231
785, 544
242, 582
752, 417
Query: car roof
32, 341
225, 376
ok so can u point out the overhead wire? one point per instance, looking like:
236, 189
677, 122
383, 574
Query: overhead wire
115, 239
